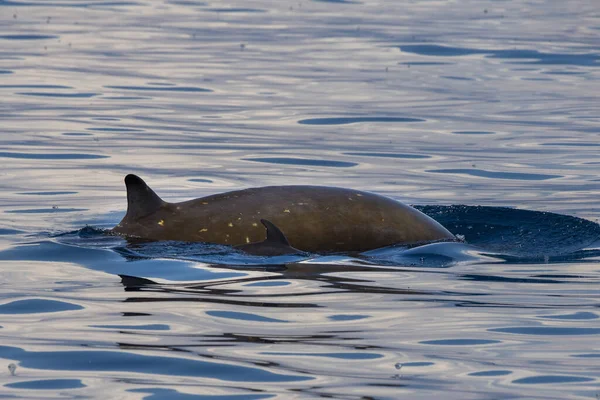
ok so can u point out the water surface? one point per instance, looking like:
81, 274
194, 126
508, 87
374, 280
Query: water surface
482, 114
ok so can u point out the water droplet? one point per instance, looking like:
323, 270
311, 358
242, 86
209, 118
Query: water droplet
12, 368
398, 366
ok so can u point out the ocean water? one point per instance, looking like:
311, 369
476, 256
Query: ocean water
482, 114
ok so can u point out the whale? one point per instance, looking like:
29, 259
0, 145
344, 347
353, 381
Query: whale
315, 219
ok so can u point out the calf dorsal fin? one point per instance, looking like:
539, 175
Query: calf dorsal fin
274, 234
141, 200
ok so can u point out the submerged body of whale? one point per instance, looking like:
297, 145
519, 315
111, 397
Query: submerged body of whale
314, 218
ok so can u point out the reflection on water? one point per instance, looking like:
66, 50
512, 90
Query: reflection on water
437, 103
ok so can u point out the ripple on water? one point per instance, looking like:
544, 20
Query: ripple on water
52, 156
581, 315
147, 327
343, 356
242, 316
388, 155
124, 361
200, 180
163, 394
525, 56
236, 10
47, 384
473, 133
303, 161
547, 330
37, 306
45, 210
46, 193
65, 95
269, 283
338, 1
491, 373
28, 37
460, 342
35, 87
118, 129
161, 88
550, 379
347, 317
355, 120
480, 173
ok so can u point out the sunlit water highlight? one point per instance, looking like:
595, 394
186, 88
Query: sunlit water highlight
484, 114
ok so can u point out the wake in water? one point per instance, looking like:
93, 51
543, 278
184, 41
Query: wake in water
491, 234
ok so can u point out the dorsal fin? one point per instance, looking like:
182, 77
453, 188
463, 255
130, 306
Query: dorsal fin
141, 200
274, 234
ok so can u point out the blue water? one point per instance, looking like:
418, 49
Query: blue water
484, 115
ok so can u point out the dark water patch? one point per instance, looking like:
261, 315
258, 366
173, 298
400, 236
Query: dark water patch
355, 120
418, 364
525, 56
35, 87
128, 98
52, 156
564, 73
525, 234
303, 161
589, 355
537, 79
576, 144
90, 4
148, 327
105, 119
77, 134
436, 50
242, 316
47, 193
236, 10
338, 1
473, 133
550, 379
491, 373
343, 356
47, 384
269, 284
37, 306
480, 173
45, 210
460, 342
200, 180
28, 37
423, 63
457, 78
388, 155
172, 394
6, 72
5, 231
187, 2
581, 315
507, 279
346, 317
115, 129
123, 361
161, 88
62, 95
547, 331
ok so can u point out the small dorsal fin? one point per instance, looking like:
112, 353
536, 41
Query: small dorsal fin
274, 234
141, 200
